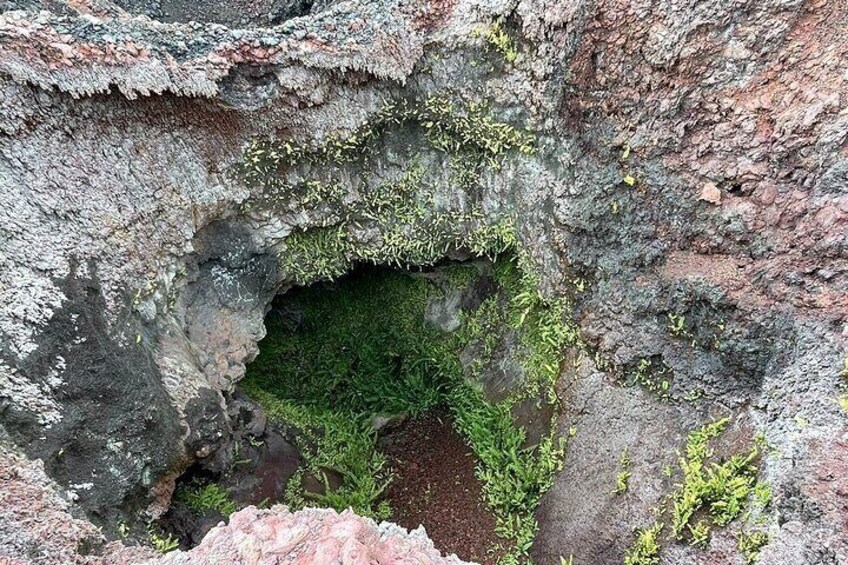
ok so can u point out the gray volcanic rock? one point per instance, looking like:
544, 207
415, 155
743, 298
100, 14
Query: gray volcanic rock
687, 190
37, 524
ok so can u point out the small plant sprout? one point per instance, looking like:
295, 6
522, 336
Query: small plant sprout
700, 533
652, 376
621, 480
762, 494
162, 543
750, 545
646, 549
677, 325
693, 395
498, 40
842, 399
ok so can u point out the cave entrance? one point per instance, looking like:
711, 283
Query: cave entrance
421, 397
363, 368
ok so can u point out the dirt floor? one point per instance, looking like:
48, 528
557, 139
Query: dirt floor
436, 487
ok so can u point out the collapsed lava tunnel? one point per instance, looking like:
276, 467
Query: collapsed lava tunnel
553, 279
395, 393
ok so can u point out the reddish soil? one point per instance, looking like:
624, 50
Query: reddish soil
436, 486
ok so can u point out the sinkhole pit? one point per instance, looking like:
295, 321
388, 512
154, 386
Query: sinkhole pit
423, 397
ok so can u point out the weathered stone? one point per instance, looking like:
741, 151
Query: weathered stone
307, 537
136, 265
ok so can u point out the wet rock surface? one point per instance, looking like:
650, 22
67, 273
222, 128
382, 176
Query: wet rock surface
687, 188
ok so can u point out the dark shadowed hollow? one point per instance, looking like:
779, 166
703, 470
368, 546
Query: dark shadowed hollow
402, 392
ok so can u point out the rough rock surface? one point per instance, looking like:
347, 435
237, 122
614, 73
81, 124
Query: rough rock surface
691, 161
36, 524
309, 536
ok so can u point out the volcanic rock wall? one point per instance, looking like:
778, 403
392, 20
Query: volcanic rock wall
687, 184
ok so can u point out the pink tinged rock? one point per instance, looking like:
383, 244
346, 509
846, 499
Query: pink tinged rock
66, 50
354, 552
286, 540
828, 216
710, 193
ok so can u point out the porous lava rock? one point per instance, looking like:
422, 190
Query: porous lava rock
687, 189
306, 537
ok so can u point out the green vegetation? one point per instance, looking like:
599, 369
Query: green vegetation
363, 347
452, 128
646, 549
200, 497
842, 399
700, 533
319, 253
498, 40
723, 489
750, 545
162, 543
359, 350
677, 326
407, 223
708, 337
653, 376
413, 231
718, 490
621, 480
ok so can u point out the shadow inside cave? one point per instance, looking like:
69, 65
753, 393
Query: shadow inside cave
400, 394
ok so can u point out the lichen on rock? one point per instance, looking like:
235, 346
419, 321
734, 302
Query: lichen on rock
674, 174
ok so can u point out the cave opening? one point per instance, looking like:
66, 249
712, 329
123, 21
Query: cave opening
423, 397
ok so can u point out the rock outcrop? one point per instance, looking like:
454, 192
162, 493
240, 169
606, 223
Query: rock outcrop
686, 183
306, 537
